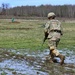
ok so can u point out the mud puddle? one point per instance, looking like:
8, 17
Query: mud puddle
19, 67
13, 62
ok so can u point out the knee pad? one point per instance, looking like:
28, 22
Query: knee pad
52, 48
55, 52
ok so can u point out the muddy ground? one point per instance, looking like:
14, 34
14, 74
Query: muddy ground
25, 62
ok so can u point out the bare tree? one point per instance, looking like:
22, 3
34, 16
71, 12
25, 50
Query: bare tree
5, 8
40, 11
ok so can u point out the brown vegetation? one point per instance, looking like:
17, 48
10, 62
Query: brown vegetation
14, 22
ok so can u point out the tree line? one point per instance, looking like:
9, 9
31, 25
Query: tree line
67, 11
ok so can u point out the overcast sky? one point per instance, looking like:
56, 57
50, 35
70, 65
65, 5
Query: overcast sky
13, 3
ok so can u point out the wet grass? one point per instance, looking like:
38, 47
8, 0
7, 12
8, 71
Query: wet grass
29, 34
24, 35
67, 41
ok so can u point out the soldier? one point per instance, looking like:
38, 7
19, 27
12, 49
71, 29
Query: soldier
54, 31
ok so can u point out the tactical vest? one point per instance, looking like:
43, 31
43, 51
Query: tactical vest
54, 25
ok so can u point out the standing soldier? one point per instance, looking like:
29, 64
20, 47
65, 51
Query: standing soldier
54, 31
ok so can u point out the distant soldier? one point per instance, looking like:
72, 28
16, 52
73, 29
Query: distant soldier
12, 19
54, 31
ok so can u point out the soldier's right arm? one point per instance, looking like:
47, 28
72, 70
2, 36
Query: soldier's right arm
45, 32
46, 27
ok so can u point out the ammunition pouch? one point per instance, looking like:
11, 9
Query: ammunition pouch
58, 31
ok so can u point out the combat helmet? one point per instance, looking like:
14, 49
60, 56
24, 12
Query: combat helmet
51, 14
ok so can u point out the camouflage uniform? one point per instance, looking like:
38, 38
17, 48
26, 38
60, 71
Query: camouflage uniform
54, 30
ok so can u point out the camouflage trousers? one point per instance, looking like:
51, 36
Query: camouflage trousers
53, 44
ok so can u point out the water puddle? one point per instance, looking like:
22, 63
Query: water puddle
19, 67
33, 63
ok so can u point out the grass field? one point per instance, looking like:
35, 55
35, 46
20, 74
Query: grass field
28, 34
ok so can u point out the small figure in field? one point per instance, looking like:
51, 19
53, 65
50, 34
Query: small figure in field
54, 31
12, 20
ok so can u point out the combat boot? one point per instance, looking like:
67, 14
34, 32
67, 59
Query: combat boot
51, 61
62, 59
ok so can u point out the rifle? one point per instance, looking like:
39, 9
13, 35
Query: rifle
46, 35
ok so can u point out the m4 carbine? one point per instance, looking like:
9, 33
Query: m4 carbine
46, 35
